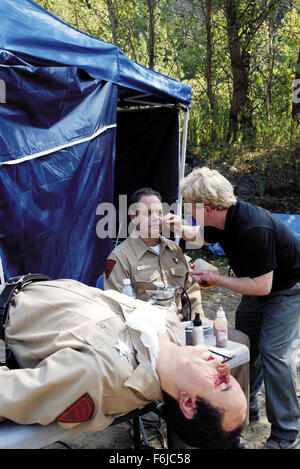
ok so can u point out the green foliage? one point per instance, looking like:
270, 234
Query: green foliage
269, 38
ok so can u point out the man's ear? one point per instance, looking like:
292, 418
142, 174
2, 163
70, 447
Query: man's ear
187, 405
208, 209
132, 215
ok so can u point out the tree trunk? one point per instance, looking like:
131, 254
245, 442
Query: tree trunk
296, 93
240, 113
113, 21
208, 66
272, 36
151, 42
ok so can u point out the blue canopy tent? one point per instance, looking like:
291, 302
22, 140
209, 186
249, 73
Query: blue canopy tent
69, 142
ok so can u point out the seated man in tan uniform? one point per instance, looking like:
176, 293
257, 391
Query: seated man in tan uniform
87, 356
148, 259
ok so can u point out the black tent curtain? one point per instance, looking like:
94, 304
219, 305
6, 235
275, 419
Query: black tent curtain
147, 152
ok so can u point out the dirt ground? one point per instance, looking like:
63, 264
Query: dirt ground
120, 436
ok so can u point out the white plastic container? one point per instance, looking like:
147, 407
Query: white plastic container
221, 328
127, 288
197, 330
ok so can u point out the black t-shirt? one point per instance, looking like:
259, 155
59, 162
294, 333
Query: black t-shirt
257, 242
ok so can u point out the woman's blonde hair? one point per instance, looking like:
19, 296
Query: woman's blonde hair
208, 186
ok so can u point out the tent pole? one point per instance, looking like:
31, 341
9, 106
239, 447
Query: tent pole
182, 158
2, 277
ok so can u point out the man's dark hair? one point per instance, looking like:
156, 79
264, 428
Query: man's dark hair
137, 195
205, 430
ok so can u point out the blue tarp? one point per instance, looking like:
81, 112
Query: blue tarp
48, 204
57, 140
292, 222
29, 30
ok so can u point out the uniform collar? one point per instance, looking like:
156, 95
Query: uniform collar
140, 247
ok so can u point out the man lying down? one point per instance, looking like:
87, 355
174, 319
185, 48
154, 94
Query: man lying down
87, 356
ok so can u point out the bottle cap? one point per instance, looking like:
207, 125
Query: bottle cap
126, 281
197, 321
220, 312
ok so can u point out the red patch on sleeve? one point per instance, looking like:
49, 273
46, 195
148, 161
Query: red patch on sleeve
80, 411
109, 265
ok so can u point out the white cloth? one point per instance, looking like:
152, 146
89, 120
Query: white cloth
150, 322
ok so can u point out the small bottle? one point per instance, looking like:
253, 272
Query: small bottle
189, 335
127, 288
221, 328
197, 330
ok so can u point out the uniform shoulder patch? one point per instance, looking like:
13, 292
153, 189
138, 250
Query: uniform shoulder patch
108, 268
80, 411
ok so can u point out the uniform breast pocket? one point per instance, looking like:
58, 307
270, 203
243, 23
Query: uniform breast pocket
95, 333
178, 275
146, 280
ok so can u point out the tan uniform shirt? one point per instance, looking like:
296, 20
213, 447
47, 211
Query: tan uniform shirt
135, 260
68, 339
